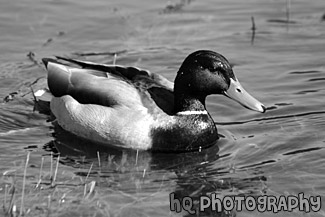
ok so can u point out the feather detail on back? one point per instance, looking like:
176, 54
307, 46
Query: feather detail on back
111, 85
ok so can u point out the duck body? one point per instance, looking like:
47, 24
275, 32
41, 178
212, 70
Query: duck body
127, 107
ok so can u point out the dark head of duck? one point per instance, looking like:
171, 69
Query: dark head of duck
206, 72
201, 74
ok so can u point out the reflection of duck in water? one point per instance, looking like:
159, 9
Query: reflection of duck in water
153, 175
132, 108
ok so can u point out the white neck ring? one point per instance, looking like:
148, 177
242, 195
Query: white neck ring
204, 112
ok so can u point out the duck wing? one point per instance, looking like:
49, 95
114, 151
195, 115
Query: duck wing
131, 73
109, 85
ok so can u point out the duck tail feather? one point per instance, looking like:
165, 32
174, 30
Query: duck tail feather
80, 63
49, 60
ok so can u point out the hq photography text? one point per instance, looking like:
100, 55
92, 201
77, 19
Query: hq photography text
263, 203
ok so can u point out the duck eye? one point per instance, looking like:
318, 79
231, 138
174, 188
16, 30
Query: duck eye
212, 69
238, 90
219, 70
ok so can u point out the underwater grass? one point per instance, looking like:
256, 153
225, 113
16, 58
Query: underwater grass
31, 191
51, 189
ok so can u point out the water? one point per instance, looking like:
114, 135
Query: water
280, 152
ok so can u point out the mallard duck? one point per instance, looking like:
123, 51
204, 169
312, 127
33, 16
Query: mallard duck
127, 107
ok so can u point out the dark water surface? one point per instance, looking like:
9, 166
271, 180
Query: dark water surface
277, 153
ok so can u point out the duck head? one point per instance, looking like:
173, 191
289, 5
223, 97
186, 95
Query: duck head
206, 72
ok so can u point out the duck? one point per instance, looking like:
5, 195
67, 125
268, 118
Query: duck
127, 107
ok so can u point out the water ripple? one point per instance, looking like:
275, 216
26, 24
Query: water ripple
305, 72
259, 164
316, 79
302, 151
270, 118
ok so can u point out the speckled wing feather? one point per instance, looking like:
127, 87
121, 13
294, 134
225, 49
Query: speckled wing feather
111, 85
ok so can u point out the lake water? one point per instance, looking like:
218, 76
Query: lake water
280, 152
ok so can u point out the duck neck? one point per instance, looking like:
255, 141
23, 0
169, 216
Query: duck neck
185, 103
185, 99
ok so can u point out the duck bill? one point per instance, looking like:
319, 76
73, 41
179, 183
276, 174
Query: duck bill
240, 95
